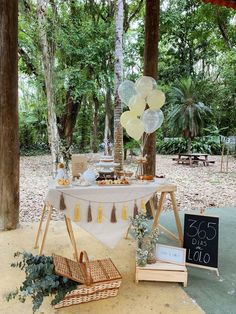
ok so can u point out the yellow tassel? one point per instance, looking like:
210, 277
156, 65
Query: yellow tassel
77, 212
99, 216
143, 206
124, 214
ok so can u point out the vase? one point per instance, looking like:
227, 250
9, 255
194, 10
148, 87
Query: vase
141, 261
141, 257
145, 244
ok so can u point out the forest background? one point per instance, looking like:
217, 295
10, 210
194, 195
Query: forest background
197, 41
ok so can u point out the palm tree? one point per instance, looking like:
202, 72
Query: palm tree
118, 130
188, 115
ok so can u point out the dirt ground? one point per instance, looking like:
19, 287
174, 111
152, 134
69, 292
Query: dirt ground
145, 297
198, 186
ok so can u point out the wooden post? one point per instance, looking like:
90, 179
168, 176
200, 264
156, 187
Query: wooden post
40, 227
227, 160
46, 230
152, 15
118, 130
222, 158
9, 138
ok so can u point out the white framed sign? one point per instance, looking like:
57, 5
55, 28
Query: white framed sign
170, 254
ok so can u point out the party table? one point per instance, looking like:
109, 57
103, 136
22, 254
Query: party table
103, 211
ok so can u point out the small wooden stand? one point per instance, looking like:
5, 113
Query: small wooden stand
161, 271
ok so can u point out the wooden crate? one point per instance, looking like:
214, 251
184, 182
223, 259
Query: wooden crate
100, 279
161, 271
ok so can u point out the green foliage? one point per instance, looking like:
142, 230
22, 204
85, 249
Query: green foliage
32, 125
196, 40
172, 146
208, 144
40, 281
188, 114
132, 146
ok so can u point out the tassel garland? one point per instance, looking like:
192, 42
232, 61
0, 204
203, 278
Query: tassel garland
143, 206
89, 218
77, 212
62, 202
124, 214
113, 214
99, 216
135, 210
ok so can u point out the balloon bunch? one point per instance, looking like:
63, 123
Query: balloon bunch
136, 96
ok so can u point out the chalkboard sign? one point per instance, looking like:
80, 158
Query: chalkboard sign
201, 234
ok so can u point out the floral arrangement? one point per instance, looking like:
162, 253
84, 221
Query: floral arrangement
146, 237
66, 153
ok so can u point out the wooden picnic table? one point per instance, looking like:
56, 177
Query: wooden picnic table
193, 158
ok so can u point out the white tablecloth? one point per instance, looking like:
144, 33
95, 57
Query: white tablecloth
106, 196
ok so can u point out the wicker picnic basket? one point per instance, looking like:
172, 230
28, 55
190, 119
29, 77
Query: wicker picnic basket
100, 279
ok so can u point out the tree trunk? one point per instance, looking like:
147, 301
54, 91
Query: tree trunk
118, 130
95, 125
68, 119
48, 60
108, 117
189, 145
152, 15
9, 137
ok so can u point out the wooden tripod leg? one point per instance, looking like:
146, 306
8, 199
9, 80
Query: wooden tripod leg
46, 230
127, 233
159, 209
72, 237
177, 220
39, 227
151, 201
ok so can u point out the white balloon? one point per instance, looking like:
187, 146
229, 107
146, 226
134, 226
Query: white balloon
145, 84
152, 120
135, 128
156, 99
137, 105
126, 91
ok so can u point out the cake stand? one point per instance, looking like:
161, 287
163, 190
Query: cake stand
107, 169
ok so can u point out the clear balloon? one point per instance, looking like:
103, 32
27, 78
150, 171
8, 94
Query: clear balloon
126, 116
137, 105
156, 99
152, 120
126, 91
144, 85
135, 128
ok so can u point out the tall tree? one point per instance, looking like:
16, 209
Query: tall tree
118, 130
9, 141
152, 15
48, 63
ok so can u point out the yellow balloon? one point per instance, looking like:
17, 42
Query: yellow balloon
156, 99
126, 116
135, 128
137, 105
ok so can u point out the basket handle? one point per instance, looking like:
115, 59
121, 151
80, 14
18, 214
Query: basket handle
88, 277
